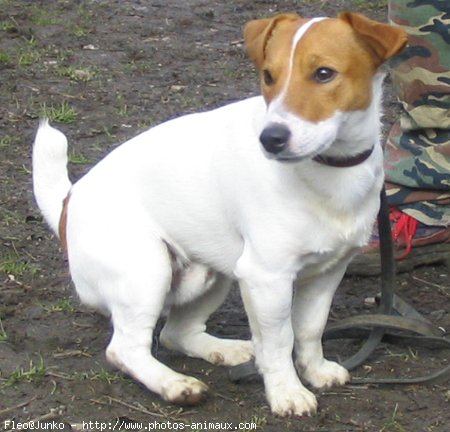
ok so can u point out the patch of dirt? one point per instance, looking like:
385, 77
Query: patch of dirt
123, 66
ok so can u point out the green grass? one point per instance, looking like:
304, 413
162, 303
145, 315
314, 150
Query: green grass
30, 40
28, 58
80, 31
9, 26
258, 421
78, 158
23, 169
231, 73
16, 266
32, 374
3, 335
77, 74
392, 425
105, 376
63, 305
122, 108
111, 136
84, 13
102, 375
62, 113
26, 54
43, 17
4, 57
6, 141
10, 218
145, 124
404, 356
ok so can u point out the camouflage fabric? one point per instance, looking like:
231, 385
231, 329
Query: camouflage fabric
417, 153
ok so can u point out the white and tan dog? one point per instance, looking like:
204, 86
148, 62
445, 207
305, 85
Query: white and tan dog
167, 220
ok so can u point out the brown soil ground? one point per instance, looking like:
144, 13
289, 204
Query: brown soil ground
123, 66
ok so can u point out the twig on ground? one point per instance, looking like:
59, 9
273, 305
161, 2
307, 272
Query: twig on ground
20, 405
140, 408
125, 404
71, 353
442, 289
51, 415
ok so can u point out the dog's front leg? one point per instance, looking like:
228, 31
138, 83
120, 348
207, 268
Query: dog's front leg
312, 302
268, 302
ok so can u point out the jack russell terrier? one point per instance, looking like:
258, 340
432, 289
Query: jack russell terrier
276, 191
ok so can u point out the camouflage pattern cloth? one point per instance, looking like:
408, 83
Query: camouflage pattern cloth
417, 153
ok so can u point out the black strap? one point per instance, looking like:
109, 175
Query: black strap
344, 162
387, 285
407, 319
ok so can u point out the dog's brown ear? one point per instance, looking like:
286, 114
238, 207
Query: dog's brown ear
258, 32
385, 40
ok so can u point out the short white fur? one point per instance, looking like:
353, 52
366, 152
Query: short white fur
200, 188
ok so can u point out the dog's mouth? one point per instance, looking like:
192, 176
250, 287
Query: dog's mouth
278, 144
289, 157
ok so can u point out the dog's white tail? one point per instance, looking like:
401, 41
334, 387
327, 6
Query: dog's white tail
51, 182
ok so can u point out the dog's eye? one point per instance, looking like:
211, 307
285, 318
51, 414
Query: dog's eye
324, 75
268, 78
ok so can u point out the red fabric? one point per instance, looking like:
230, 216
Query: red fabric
404, 228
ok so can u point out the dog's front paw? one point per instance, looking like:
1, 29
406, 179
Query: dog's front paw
184, 391
292, 401
326, 374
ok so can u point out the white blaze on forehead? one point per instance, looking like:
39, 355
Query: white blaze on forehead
277, 103
296, 39
302, 30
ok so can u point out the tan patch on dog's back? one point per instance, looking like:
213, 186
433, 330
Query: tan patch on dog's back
62, 228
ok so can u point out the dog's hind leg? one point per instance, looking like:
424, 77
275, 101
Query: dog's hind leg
185, 328
136, 295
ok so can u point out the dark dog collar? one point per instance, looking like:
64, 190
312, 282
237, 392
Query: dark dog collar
343, 162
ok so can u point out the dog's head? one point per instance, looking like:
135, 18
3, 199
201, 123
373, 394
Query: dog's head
313, 73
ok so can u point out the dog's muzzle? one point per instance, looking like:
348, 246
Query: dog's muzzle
274, 138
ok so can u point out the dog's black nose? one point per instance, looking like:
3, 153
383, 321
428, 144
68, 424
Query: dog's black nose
274, 138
